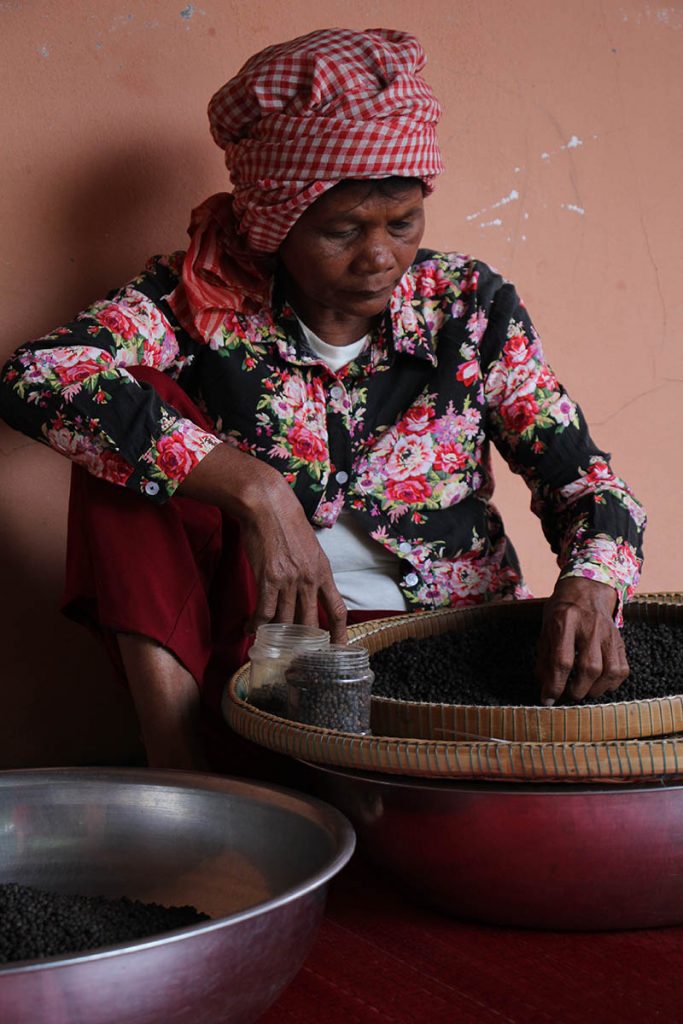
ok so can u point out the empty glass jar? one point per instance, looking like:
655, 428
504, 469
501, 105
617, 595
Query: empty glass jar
270, 655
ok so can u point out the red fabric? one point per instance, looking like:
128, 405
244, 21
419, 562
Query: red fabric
296, 119
381, 959
175, 573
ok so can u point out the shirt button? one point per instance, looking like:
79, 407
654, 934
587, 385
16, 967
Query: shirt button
341, 477
411, 579
337, 392
405, 547
152, 488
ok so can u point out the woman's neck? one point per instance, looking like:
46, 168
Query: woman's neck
335, 328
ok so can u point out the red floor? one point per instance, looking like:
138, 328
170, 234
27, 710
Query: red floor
379, 959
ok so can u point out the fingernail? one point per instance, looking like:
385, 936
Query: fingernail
548, 702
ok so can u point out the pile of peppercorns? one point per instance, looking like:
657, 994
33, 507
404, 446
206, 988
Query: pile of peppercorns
35, 923
495, 666
331, 689
271, 697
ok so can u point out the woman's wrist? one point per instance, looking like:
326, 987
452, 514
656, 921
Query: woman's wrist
235, 482
587, 593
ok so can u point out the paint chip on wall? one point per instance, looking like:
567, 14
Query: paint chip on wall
510, 198
573, 207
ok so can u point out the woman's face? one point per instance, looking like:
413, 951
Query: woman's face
346, 253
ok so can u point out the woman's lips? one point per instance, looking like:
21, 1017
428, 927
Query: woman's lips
372, 293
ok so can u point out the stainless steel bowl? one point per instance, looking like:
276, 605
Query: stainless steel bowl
256, 858
535, 856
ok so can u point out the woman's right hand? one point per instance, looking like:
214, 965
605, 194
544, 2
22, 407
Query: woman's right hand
291, 571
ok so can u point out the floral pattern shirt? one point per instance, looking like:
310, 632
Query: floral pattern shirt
400, 436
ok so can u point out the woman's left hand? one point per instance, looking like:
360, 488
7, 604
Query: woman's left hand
579, 637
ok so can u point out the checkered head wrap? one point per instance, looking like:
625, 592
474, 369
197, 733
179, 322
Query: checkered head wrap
297, 119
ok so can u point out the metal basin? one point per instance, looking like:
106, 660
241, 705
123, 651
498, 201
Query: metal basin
561, 857
256, 858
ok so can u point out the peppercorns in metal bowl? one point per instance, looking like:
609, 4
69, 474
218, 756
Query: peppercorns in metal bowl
256, 859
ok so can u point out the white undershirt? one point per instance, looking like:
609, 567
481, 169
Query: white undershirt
335, 356
365, 573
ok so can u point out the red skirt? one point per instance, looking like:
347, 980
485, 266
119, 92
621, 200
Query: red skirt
175, 573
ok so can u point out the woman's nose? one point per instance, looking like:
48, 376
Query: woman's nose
375, 257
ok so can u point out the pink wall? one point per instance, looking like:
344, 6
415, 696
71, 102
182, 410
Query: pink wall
563, 140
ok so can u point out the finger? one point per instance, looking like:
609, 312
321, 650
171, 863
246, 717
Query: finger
623, 667
588, 665
307, 605
615, 667
286, 604
266, 607
337, 614
555, 658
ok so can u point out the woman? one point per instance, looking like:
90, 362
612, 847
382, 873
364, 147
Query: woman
293, 417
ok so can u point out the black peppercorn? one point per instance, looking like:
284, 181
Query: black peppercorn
331, 688
495, 666
36, 923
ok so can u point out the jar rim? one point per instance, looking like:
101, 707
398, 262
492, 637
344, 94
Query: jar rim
337, 657
288, 635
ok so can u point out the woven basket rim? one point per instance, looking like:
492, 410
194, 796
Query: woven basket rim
573, 761
645, 783
286, 724
647, 701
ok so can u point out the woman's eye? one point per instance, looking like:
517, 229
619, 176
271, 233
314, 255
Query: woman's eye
341, 234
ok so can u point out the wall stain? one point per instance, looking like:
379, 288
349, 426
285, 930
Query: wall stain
668, 17
120, 21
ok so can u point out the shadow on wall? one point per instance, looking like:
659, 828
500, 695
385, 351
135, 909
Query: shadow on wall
128, 203
61, 704
129, 194
60, 701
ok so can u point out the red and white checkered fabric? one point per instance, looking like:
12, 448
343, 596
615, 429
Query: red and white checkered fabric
298, 118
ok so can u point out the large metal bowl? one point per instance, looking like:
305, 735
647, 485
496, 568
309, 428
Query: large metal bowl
256, 858
524, 855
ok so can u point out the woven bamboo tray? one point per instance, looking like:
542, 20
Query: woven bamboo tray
618, 761
522, 760
617, 720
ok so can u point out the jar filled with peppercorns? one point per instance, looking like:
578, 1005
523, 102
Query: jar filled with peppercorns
331, 688
270, 655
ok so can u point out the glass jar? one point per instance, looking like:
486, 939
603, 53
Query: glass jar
270, 655
331, 688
